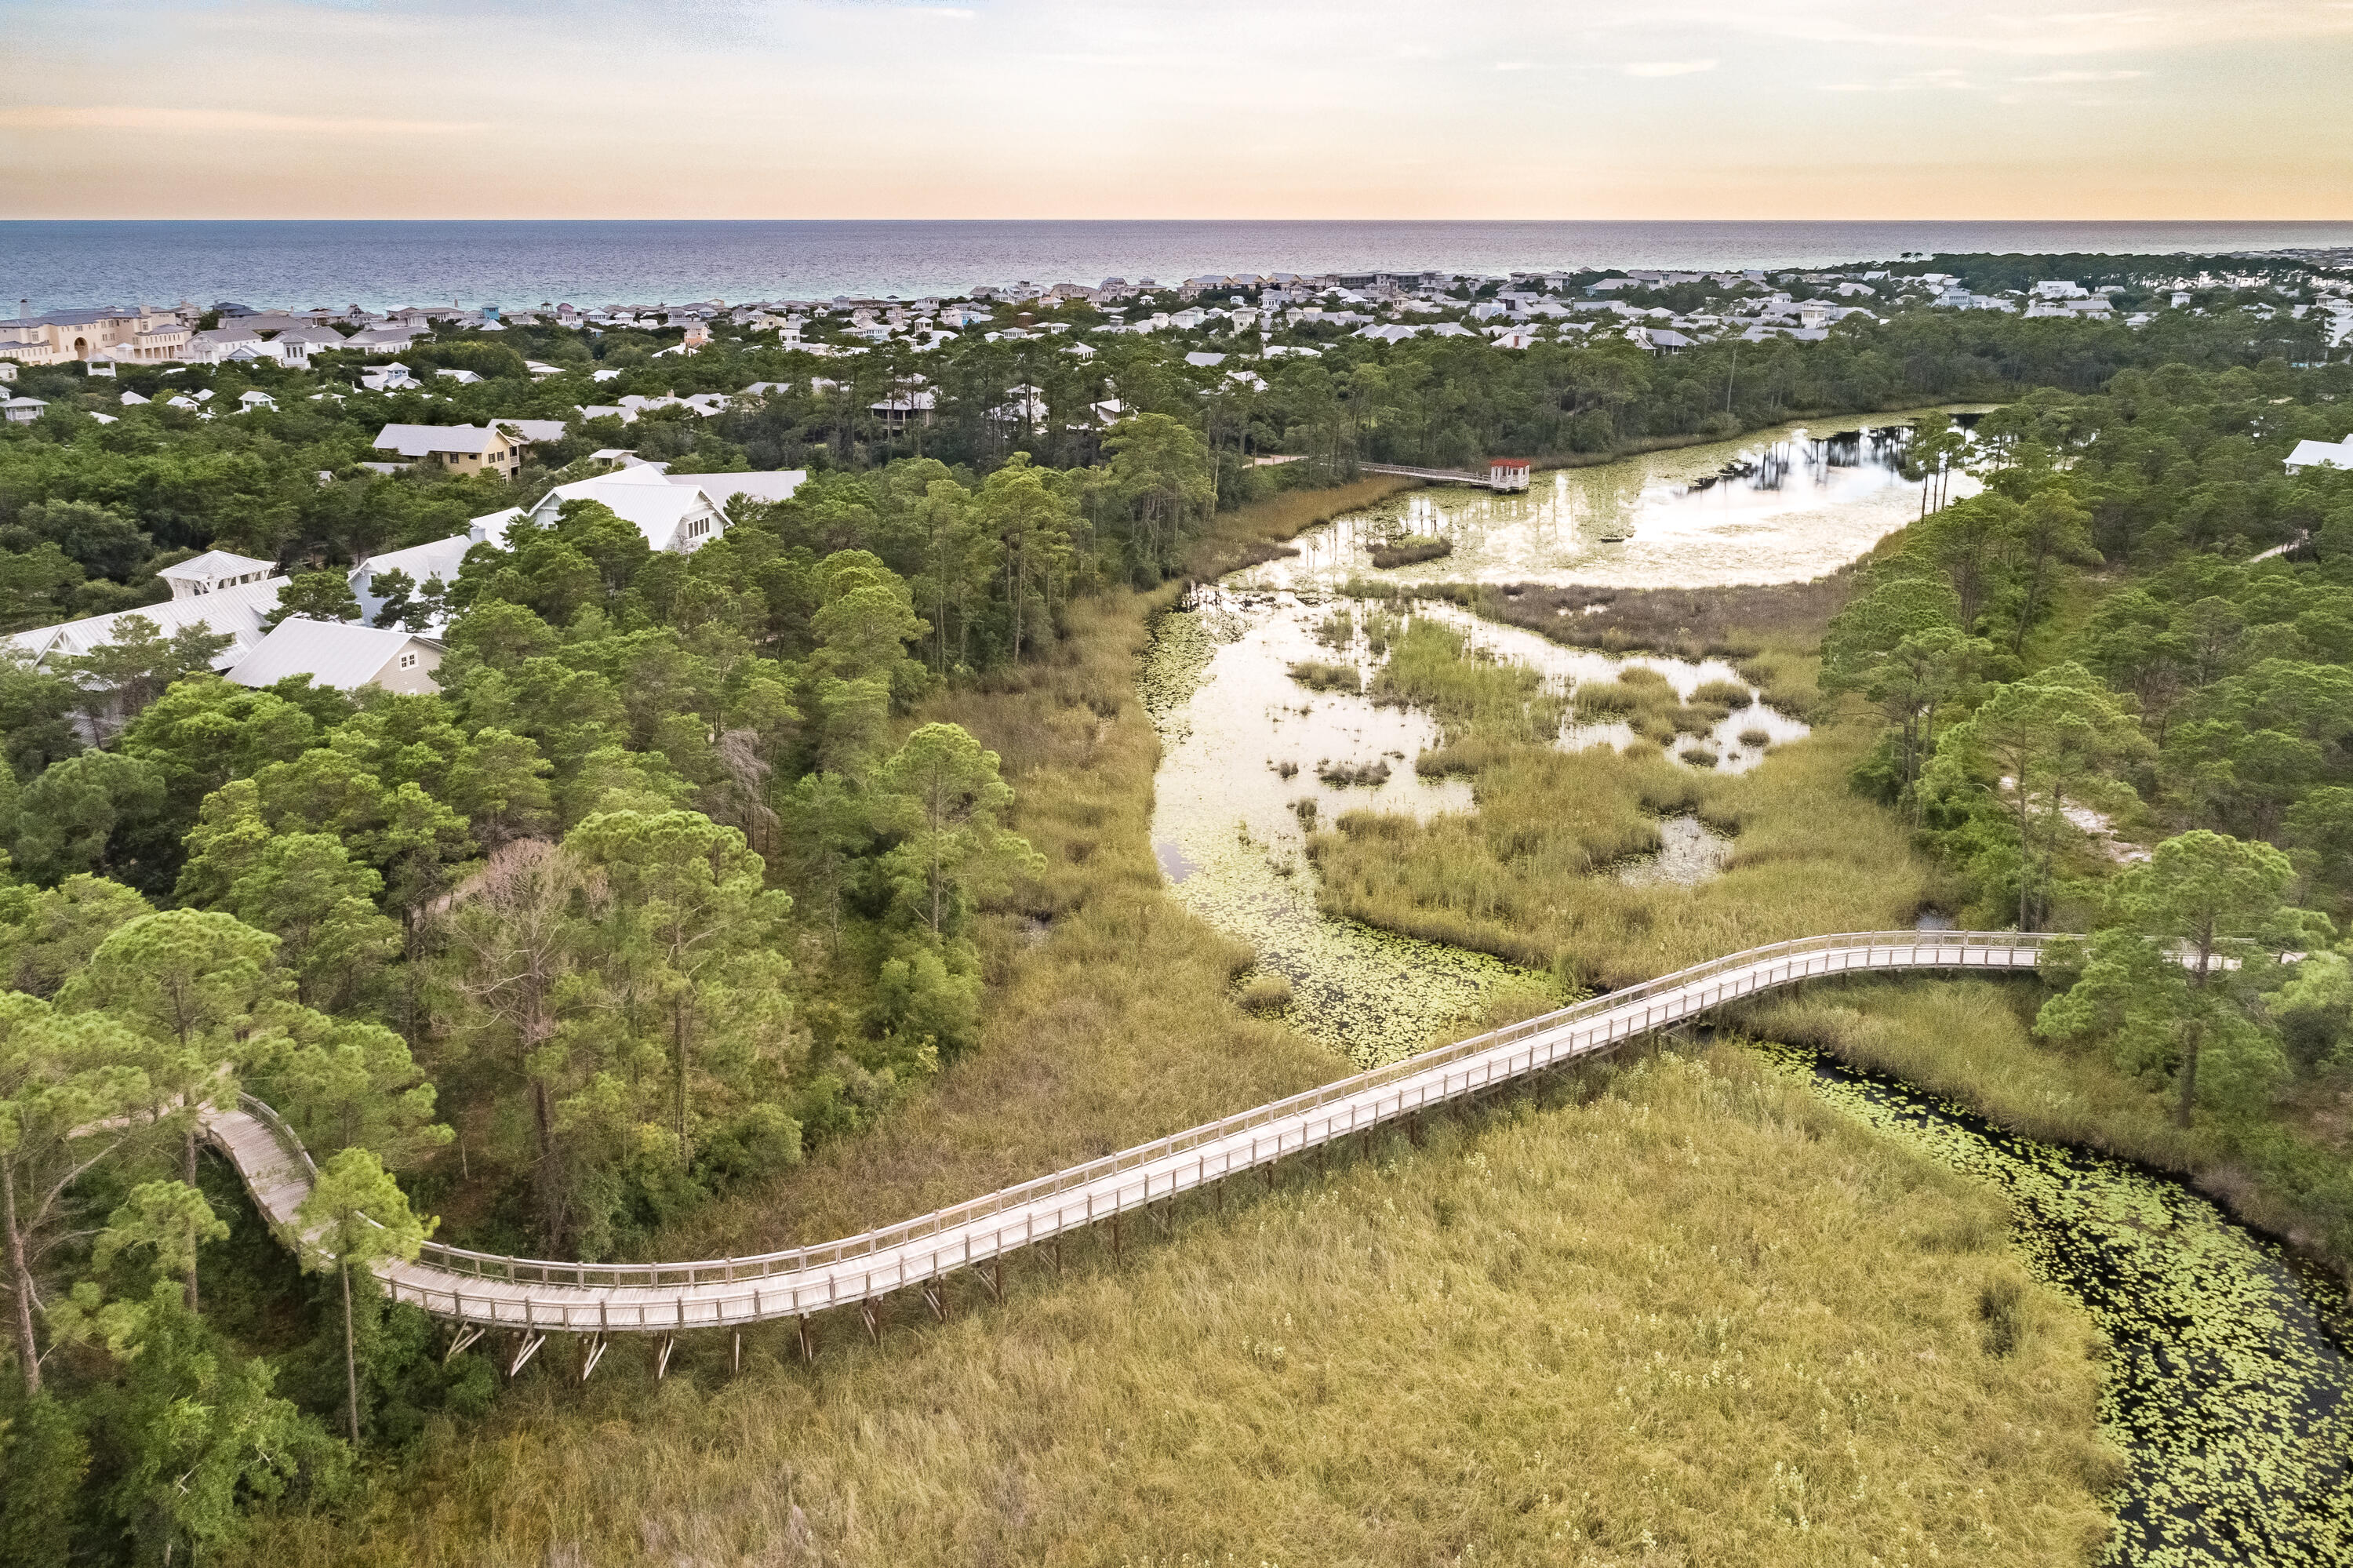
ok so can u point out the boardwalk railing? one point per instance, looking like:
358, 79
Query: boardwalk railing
486, 1288
1438, 475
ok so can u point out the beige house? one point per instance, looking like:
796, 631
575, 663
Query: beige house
114, 332
342, 654
461, 449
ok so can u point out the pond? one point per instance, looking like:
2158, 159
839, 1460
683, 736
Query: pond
2228, 1384
1786, 504
1253, 760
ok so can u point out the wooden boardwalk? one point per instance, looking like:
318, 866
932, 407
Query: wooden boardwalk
1435, 475
482, 1290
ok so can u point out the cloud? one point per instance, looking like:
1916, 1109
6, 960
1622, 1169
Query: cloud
2082, 76
1946, 80
146, 117
1667, 68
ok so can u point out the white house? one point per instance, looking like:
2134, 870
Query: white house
22, 410
392, 377
678, 514
424, 563
341, 654
2321, 454
212, 571
233, 611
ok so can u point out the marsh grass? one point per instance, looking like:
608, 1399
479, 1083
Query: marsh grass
1970, 1040
1517, 878
1431, 666
1690, 623
1411, 552
1675, 1311
1318, 676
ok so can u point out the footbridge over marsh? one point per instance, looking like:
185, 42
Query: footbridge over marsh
1444, 475
534, 1297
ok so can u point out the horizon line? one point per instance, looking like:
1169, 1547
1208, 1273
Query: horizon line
617, 218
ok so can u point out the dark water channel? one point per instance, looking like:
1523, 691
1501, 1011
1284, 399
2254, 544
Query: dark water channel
2228, 1382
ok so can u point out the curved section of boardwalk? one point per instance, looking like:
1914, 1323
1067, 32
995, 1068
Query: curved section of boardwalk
483, 1290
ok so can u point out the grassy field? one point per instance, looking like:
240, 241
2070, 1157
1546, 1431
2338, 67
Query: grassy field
1672, 1311
1675, 1311
1525, 876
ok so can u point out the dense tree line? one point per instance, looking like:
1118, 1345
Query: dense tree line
88, 511
2089, 652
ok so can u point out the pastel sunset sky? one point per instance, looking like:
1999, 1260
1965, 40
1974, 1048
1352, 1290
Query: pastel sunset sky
1743, 109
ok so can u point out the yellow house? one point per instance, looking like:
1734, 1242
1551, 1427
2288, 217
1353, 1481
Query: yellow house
460, 449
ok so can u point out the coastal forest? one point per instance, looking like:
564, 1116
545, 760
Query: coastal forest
748, 896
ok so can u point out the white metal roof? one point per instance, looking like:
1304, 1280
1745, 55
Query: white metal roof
236, 611
418, 441
2322, 454
779, 485
342, 655
438, 558
213, 565
644, 495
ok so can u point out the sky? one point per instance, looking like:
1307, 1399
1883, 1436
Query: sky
1472, 109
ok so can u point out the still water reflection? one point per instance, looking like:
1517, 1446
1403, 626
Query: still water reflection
1781, 505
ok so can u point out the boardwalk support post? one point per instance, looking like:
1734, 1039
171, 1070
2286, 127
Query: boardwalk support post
591, 1351
936, 1299
808, 1342
532, 1340
661, 1356
1114, 1235
992, 1275
739, 1351
866, 1313
466, 1335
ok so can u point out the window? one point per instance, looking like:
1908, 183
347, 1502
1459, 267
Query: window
409, 661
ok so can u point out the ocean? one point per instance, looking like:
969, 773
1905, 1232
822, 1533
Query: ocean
521, 263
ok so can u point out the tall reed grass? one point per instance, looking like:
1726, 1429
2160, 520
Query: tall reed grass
1672, 1312
1520, 878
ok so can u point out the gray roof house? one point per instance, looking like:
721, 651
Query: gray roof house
342, 655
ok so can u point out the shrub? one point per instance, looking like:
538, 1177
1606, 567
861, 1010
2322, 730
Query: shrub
1409, 552
1266, 994
1603, 699
1317, 676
